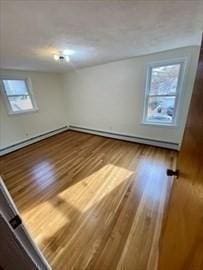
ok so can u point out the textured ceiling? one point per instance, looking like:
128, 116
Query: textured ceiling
98, 31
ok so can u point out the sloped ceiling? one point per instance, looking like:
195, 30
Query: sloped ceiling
98, 31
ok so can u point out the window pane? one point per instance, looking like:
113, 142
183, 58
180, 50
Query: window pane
164, 80
20, 103
161, 109
15, 87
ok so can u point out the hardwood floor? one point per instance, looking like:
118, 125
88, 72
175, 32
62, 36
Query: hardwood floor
91, 202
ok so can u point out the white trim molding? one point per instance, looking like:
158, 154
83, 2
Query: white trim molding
175, 121
28, 84
125, 137
99, 132
39, 137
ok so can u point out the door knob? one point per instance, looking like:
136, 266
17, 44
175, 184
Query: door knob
170, 172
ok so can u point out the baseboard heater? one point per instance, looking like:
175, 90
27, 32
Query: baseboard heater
126, 137
29, 141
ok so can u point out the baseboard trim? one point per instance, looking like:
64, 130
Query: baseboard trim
125, 137
42, 136
109, 134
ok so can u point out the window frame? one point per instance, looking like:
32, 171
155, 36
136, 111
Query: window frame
29, 90
174, 123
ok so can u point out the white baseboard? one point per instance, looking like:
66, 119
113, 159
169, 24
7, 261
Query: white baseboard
29, 141
125, 137
109, 134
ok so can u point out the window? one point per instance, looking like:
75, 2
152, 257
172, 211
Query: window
18, 96
163, 85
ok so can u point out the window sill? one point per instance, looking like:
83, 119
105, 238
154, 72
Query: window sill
173, 125
23, 112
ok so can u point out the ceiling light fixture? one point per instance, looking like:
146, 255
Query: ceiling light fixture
63, 56
56, 57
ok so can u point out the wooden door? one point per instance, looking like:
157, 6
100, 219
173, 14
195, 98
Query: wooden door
181, 243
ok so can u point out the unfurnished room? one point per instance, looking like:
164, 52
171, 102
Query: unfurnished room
101, 135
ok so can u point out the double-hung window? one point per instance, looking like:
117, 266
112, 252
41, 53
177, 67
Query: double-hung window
18, 95
162, 93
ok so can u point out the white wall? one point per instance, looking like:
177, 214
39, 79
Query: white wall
48, 92
106, 97
110, 97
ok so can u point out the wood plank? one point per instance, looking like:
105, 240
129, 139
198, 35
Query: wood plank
91, 202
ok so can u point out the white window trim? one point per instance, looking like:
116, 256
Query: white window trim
29, 88
183, 63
